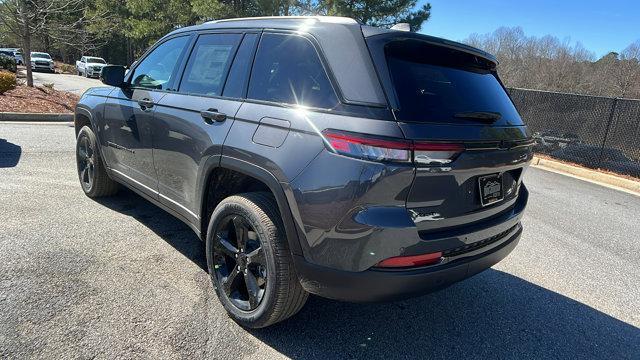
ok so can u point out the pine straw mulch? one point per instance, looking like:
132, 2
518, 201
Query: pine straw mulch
24, 99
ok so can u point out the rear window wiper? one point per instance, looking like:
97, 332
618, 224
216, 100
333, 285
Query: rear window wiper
484, 116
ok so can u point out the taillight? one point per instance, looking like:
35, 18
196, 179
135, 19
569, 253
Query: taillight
368, 147
390, 149
411, 261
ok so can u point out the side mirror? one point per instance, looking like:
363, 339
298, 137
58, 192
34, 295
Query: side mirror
113, 75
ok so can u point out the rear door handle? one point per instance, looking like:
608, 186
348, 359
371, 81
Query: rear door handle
145, 103
212, 115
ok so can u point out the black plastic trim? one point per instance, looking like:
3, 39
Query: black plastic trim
375, 285
272, 182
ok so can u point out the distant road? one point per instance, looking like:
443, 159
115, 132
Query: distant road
71, 83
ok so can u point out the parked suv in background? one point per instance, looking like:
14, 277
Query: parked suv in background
42, 61
8, 61
15, 53
315, 155
89, 66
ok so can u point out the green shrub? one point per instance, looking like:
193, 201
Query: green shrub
7, 81
7, 63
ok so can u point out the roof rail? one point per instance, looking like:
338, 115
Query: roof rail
326, 19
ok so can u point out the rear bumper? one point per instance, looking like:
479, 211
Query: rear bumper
386, 285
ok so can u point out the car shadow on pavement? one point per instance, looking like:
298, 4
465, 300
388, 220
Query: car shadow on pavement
166, 226
9, 154
492, 315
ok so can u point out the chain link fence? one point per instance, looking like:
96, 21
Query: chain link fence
597, 132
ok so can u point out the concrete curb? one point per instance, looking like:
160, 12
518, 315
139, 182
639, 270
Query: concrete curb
9, 116
587, 174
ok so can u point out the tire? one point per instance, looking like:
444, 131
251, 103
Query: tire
278, 293
92, 173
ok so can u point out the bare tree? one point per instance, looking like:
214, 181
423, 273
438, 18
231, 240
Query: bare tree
629, 70
547, 63
27, 18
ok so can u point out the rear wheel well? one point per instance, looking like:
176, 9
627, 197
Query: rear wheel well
81, 120
223, 183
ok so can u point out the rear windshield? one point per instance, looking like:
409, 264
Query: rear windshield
440, 85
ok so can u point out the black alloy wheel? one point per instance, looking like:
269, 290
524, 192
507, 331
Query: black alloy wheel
94, 179
86, 162
240, 264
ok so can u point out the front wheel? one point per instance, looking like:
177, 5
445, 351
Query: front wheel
250, 263
91, 171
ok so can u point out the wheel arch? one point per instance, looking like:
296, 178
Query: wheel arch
253, 178
83, 117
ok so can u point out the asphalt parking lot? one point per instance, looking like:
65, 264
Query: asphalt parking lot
119, 278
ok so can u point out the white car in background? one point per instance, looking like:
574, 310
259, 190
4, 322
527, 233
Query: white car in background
17, 54
42, 61
90, 66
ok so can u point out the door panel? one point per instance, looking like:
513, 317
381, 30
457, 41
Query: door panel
190, 126
129, 111
183, 140
127, 132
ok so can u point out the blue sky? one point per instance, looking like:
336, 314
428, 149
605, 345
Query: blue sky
601, 26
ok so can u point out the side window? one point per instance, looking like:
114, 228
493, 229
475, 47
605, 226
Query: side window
239, 73
207, 67
155, 70
287, 69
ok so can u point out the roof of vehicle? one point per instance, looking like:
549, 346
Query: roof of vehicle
306, 22
353, 70
348, 58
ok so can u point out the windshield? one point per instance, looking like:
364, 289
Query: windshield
40, 55
95, 60
442, 85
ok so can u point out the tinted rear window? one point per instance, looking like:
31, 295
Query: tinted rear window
437, 84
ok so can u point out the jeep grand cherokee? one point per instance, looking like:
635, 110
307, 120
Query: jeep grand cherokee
315, 155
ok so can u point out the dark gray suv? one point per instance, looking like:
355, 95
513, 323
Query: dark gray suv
315, 155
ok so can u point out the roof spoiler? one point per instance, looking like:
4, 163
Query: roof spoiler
370, 32
402, 27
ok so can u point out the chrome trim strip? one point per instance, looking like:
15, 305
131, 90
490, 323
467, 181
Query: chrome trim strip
180, 205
